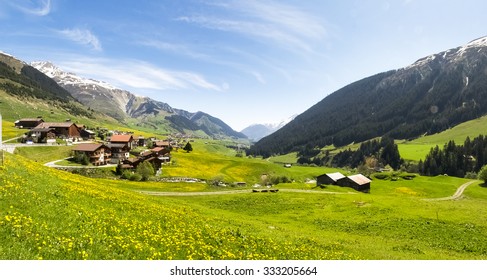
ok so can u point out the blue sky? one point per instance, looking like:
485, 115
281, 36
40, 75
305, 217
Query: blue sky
242, 61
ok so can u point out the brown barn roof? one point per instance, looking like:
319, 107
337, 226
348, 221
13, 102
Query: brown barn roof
89, 147
55, 124
121, 138
360, 179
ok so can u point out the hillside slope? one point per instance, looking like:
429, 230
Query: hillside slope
128, 107
429, 96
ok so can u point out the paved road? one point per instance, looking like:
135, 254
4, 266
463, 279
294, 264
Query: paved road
233, 192
457, 195
54, 165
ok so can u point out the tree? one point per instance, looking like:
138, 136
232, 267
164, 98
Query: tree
188, 148
483, 174
145, 170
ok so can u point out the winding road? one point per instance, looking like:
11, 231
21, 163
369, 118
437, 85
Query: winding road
457, 195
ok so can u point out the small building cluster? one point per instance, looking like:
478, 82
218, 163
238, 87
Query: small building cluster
358, 182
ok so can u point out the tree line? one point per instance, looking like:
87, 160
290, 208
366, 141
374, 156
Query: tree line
456, 160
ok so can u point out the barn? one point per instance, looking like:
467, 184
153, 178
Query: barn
357, 182
329, 179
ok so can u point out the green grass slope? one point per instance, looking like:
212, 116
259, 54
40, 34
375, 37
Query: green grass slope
420, 147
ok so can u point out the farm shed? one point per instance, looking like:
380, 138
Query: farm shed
329, 179
358, 182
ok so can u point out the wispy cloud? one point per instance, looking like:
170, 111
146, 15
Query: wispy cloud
37, 8
83, 37
286, 25
138, 75
174, 48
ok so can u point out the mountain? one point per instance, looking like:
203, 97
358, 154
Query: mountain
124, 105
429, 96
23, 84
255, 132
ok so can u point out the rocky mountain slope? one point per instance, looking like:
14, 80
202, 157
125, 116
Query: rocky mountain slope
122, 105
426, 97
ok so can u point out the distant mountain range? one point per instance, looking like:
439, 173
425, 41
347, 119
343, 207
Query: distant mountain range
431, 95
123, 105
255, 132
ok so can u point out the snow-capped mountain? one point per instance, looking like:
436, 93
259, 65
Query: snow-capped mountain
121, 104
255, 132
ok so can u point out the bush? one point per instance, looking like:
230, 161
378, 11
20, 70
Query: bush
126, 174
145, 170
135, 177
483, 174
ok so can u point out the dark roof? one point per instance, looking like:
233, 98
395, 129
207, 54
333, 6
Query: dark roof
47, 129
117, 145
89, 147
30, 120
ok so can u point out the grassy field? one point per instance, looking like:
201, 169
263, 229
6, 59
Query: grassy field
50, 214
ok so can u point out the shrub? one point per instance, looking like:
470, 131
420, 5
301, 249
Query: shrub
483, 174
145, 170
135, 177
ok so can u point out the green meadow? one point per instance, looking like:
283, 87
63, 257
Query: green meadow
51, 214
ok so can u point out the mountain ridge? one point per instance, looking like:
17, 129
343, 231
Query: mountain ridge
432, 94
122, 104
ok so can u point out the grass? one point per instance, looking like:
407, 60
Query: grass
44, 154
51, 214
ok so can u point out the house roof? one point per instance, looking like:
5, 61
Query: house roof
335, 176
55, 124
161, 143
30, 120
88, 147
359, 179
121, 138
40, 129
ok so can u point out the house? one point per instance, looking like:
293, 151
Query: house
43, 135
67, 130
329, 179
358, 182
120, 152
28, 123
161, 144
122, 139
87, 134
164, 154
99, 154
149, 156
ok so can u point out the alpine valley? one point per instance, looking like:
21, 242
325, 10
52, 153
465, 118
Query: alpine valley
121, 105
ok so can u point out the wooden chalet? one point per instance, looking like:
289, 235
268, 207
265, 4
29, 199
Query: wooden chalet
67, 130
149, 156
87, 134
329, 179
120, 152
43, 135
28, 123
99, 154
127, 139
164, 154
357, 182
161, 144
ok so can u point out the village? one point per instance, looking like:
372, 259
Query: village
119, 148
111, 147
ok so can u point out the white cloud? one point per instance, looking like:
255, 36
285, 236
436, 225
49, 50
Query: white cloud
137, 75
38, 8
282, 24
82, 36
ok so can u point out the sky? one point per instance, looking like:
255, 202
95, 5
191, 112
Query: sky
245, 61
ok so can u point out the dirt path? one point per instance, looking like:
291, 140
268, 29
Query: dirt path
232, 192
457, 195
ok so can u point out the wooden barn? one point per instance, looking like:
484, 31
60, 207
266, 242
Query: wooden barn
28, 123
329, 179
357, 182
66, 130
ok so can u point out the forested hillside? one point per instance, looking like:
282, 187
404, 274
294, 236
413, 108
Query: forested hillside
429, 96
